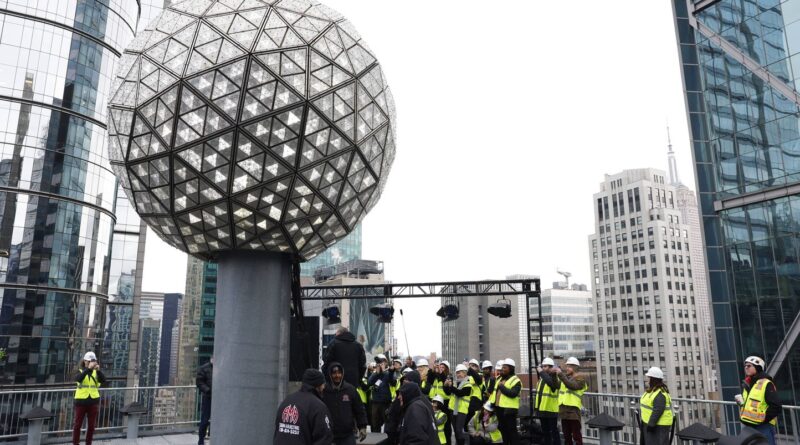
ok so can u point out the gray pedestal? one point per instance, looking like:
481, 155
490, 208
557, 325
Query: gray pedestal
251, 345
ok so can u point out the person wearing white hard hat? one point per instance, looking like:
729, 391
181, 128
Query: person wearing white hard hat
570, 401
476, 379
438, 377
380, 384
422, 368
439, 417
655, 409
488, 380
546, 402
759, 401
88, 379
460, 394
506, 402
483, 428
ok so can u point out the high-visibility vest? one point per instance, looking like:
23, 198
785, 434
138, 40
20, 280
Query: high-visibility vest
571, 397
437, 389
502, 400
495, 436
88, 388
393, 388
754, 410
441, 420
461, 404
362, 394
477, 390
546, 398
646, 408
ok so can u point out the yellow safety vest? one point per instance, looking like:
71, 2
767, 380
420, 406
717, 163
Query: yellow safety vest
495, 436
88, 388
646, 408
477, 390
461, 404
570, 397
393, 389
441, 420
502, 400
437, 389
362, 394
546, 398
754, 410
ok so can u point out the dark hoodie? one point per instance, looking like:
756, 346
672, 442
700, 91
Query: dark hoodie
418, 426
302, 419
394, 414
344, 405
774, 404
346, 350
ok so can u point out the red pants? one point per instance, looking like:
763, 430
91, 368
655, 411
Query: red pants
572, 432
90, 411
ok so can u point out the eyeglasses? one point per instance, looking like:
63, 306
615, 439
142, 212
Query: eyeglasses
748, 365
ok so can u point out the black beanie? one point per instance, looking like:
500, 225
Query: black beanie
313, 377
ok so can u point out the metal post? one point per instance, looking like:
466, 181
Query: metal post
35, 431
605, 437
251, 344
133, 426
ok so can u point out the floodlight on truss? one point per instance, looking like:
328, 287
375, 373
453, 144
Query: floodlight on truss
384, 312
448, 312
501, 308
251, 125
332, 313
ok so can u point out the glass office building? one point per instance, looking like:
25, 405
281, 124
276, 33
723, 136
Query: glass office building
741, 68
57, 192
346, 249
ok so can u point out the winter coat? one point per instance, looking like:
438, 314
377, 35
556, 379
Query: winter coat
418, 427
380, 383
346, 350
774, 404
204, 377
345, 408
575, 383
303, 419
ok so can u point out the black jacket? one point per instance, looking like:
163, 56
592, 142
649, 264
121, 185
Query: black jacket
554, 384
205, 374
346, 350
79, 376
303, 419
345, 408
488, 387
774, 405
381, 392
418, 426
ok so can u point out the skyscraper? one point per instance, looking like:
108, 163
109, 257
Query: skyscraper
739, 72
171, 314
567, 321
57, 201
346, 249
646, 307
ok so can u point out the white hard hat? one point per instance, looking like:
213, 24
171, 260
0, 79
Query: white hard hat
548, 362
474, 362
372, 364
445, 363
499, 364
510, 362
488, 406
89, 356
439, 399
407, 370
486, 364
655, 372
422, 362
380, 357
754, 360
397, 360
461, 367
573, 361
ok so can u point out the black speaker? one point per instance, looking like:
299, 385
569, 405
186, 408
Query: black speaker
303, 347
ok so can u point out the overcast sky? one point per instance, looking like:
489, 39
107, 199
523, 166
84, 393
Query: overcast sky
509, 114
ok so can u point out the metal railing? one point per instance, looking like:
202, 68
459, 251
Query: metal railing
168, 408
722, 416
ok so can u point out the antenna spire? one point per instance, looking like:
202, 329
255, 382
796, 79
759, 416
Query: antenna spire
673, 165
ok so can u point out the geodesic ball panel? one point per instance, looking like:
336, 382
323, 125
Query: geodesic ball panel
248, 124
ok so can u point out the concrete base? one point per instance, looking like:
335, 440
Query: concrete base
251, 345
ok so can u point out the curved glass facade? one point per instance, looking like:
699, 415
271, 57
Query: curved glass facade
57, 191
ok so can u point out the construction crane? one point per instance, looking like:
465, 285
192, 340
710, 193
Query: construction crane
565, 274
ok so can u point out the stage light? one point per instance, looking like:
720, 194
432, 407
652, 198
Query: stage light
332, 314
448, 312
384, 312
502, 308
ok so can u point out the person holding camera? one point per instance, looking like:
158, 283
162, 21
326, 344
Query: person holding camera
88, 379
380, 382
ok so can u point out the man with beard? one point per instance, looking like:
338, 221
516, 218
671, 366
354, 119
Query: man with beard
302, 418
344, 404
